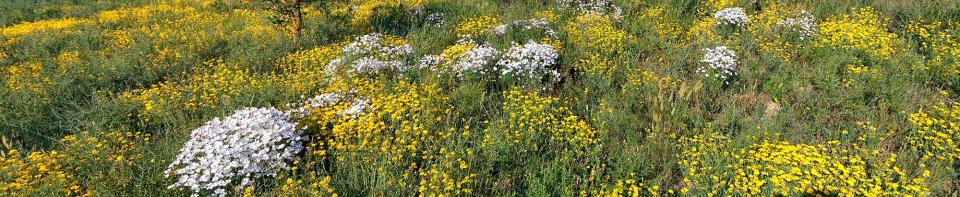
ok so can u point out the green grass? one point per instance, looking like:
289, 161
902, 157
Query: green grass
806, 99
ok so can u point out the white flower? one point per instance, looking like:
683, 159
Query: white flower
593, 6
251, 143
527, 24
370, 55
435, 19
429, 61
357, 108
473, 61
731, 16
721, 60
803, 23
530, 60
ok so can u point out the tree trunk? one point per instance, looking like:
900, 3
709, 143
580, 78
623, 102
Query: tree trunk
297, 23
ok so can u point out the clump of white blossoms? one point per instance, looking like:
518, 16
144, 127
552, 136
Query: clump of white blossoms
731, 16
251, 143
469, 58
803, 23
721, 61
305, 108
527, 24
473, 61
593, 6
372, 53
530, 60
435, 20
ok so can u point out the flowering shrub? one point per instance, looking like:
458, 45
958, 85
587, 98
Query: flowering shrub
731, 16
208, 90
938, 132
773, 27
790, 169
940, 45
593, 32
374, 53
629, 187
251, 143
593, 6
530, 61
666, 26
541, 24
27, 77
476, 26
721, 62
534, 119
782, 168
803, 23
862, 30
73, 168
38, 170
14, 32
464, 58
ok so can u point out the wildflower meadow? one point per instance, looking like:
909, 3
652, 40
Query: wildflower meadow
479, 98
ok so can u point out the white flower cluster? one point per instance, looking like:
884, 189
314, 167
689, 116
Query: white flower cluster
304, 109
530, 60
720, 59
430, 61
435, 20
251, 143
473, 60
803, 23
527, 24
731, 16
373, 56
594, 6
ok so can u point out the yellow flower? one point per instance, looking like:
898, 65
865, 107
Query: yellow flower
862, 30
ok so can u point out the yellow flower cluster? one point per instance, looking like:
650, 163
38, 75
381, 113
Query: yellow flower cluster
476, 26
595, 32
26, 76
365, 9
711, 165
396, 132
441, 179
942, 42
860, 30
202, 91
143, 14
15, 32
938, 132
37, 171
3, 55
547, 14
702, 31
120, 148
666, 26
311, 186
711, 6
791, 169
704, 159
119, 38
57, 171
534, 119
629, 187
596, 64
171, 30
857, 69
301, 72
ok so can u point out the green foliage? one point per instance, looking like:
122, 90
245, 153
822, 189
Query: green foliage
631, 112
